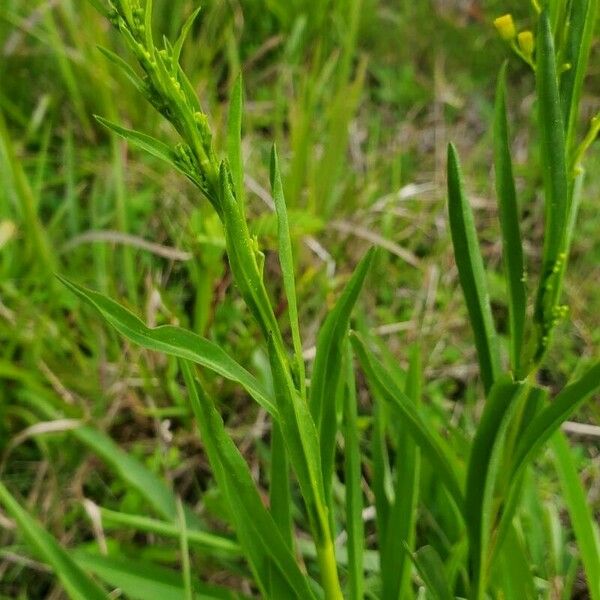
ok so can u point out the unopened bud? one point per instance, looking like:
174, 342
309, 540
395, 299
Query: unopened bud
526, 42
506, 27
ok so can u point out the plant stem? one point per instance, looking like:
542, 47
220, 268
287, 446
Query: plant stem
328, 567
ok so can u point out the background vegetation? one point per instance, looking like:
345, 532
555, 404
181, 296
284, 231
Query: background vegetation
361, 98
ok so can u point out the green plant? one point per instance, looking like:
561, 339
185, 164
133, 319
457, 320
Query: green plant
483, 485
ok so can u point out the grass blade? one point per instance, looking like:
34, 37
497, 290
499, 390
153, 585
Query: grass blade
400, 527
150, 145
263, 544
127, 70
352, 478
553, 158
234, 140
549, 420
178, 45
512, 246
582, 20
471, 273
280, 501
425, 437
279, 492
286, 261
175, 342
215, 544
135, 473
141, 580
582, 518
326, 373
77, 584
481, 474
431, 568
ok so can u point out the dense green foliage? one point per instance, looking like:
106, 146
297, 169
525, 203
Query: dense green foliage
328, 463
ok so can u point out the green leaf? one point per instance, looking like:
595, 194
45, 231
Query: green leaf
286, 261
353, 480
128, 71
133, 472
483, 467
326, 373
152, 146
471, 273
300, 435
424, 435
175, 342
553, 158
516, 577
242, 252
512, 246
550, 419
264, 547
141, 580
279, 491
215, 544
431, 568
182, 37
582, 519
397, 537
580, 32
77, 584
234, 140
280, 501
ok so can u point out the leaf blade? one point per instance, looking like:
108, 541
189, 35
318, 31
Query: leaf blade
77, 584
427, 439
471, 273
326, 373
512, 245
173, 341
263, 544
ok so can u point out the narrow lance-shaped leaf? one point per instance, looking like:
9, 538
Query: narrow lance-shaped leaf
553, 158
279, 490
327, 366
127, 70
280, 500
431, 568
217, 545
472, 273
131, 470
584, 524
175, 342
512, 246
77, 584
142, 580
580, 32
286, 260
399, 538
352, 479
424, 435
300, 435
481, 474
263, 545
242, 253
177, 47
234, 141
553, 416
152, 146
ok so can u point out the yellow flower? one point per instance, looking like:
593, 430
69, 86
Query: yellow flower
506, 27
526, 42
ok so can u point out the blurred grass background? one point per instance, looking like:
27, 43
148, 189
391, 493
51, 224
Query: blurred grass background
361, 97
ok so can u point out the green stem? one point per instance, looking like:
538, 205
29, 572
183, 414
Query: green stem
328, 567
